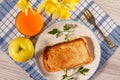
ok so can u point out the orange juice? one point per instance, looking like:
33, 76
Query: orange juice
30, 24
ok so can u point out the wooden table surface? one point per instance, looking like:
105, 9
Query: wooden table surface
110, 70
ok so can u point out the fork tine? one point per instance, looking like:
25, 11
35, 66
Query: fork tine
89, 13
89, 17
86, 15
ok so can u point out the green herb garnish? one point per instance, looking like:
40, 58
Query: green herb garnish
83, 70
66, 77
66, 29
55, 32
80, 70
66, 37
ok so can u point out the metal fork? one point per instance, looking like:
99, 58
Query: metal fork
91, 19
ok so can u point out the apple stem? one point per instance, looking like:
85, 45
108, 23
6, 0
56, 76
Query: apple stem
19, 49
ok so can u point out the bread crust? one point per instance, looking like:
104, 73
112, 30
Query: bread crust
66, 55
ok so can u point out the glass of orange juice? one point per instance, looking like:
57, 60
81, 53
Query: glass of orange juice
29, 25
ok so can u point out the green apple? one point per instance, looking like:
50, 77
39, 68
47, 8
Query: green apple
21, 49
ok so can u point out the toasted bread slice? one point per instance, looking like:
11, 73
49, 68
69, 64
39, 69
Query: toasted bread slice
66, 55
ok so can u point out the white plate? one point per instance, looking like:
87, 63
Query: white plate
46, 39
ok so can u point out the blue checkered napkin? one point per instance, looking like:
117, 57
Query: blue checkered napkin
8, 31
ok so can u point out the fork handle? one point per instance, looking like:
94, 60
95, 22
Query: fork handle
109, 42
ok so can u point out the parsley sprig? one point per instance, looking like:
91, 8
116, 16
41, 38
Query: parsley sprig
55, 32
66, 29
83, 70
80, 70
